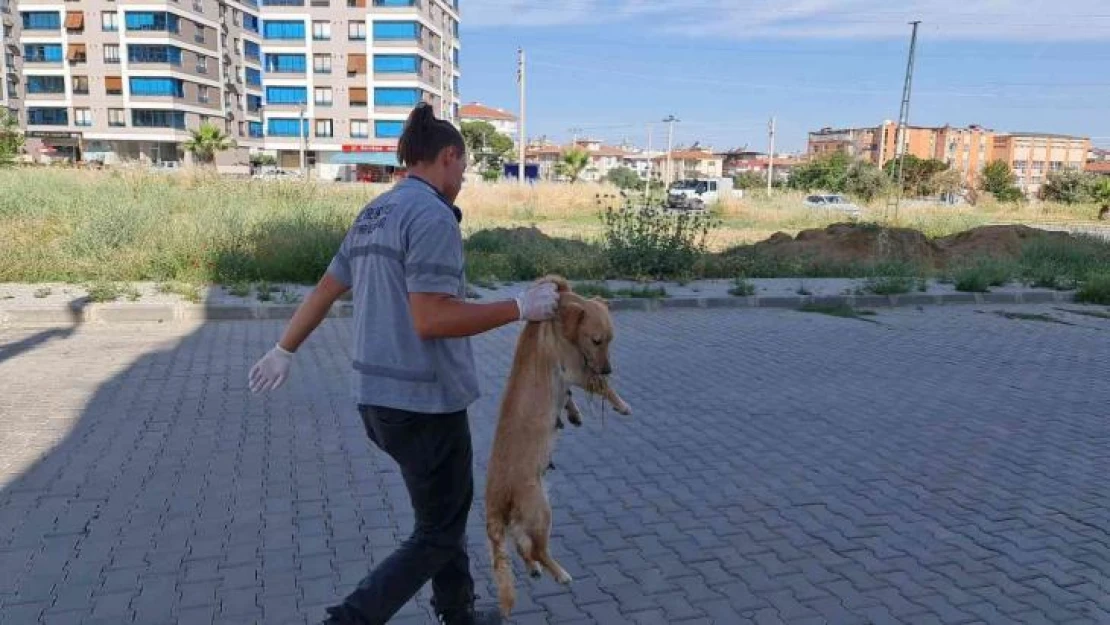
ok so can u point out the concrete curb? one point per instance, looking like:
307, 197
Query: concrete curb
121, 314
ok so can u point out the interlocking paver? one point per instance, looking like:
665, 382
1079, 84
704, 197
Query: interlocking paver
940, 466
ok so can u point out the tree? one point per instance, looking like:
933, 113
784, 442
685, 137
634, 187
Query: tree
748, 180
828, 172
487, 147
1100, 193
998, 180
206, 142
624, 178
11, 139
917, 174
573, 163
865, 181
947, 182
1069, 186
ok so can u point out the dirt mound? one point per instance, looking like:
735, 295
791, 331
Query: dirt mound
506, 240
861, 244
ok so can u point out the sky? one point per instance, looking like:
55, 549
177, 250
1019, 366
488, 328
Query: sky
611, 68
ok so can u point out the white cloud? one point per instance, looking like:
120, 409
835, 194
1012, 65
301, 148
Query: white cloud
1021, 20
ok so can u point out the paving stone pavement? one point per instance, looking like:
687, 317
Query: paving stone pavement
938, 466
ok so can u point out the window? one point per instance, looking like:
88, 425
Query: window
396, 30
285, 127
113, 85
286, 95
250, 22
356, 4
199, 34
396, 63
80, 85
42, 53
154, 54
357, 96
111, 53
202, 64
283, 29
141, 118
117, 117
42, 20
323, 128
388, 129
321, 63
283, 3
394, 96
78, 53
356, 63
202, 93
255, 129
109, 21
172, 87
360, 129
321, 31
254, 77
254, 102
323, 96
46, 84
356, 31
252, 50
285, 63
394, 3
152, 21
82, 117
47, 117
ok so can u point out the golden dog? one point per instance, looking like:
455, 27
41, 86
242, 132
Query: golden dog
550, 358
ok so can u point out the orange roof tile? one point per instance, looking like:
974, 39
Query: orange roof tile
475, 110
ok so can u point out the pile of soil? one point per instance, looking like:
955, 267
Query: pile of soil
848, 243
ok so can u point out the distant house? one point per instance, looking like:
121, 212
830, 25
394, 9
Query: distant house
503, 121
687, 164
739, 162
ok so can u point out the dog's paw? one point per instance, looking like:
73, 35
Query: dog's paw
535, 573
623, 408
575, 420
564, 578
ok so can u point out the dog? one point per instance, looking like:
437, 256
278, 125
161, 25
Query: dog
551, 357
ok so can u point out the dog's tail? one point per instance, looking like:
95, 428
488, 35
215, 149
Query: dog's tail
502, 566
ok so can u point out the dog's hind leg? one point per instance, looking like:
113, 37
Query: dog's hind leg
502, 567
574, 415
540, 534
525, 548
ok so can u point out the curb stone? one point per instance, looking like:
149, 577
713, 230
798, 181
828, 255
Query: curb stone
116, 313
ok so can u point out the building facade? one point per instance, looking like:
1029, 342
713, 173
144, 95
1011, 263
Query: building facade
1032, 156
502, 121
326, 81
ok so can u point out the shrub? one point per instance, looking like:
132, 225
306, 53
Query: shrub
1095, 289
645, 242
979, 275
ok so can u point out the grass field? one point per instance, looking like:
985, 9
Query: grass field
73, 225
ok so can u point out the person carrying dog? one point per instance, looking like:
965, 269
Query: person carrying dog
414, 375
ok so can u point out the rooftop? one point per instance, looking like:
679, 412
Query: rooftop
477, 110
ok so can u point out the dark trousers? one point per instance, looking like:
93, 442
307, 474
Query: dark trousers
435, 457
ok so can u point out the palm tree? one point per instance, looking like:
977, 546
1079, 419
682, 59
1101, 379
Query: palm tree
206, 142
1100, 191
574, 161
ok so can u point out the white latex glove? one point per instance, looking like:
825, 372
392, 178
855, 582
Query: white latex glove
271, 370
538, 302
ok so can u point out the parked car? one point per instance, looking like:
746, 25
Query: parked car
697, 194
833, 202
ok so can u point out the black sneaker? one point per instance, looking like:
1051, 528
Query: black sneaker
470, 616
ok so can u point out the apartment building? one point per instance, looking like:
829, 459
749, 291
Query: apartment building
688, 164
329, 82
502, 121
1033, 155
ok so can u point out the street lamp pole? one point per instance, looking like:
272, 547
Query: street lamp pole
670, 119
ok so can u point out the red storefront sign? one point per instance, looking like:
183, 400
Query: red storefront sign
369, 148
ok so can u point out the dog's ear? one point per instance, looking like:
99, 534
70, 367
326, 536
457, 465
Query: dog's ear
571, 314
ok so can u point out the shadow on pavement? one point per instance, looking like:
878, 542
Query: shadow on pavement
76, 312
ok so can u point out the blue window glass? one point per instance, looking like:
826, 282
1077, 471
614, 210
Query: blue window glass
152, 20
394, 3
48, 116
283, 29
255, 129
388, 129
254, 77
154, 54
141, 118
252, 50
250, 22
285, 63
286, 95
42, 53
283, 3
285, 127
42, 20
396, 96
46, 84
173, 87
396, 63
254, 102
396, 30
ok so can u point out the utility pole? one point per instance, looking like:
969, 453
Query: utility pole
574, 134
904, 117
771, 158
520, 82
304, 140
670, 119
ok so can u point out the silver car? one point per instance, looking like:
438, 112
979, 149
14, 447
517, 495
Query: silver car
833, 202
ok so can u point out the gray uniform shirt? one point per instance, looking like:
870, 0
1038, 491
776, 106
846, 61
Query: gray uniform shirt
406, 240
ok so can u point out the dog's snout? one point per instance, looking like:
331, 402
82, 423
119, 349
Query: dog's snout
606, 369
